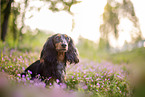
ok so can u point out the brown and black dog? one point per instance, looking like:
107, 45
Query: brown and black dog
57, 51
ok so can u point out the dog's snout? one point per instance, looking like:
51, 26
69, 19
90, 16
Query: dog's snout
63, 45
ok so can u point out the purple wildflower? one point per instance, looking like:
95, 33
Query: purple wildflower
19, 75
23, 76
23, 68
57, 80
20, 56
50, 84
28, 78
98, 84
31, 81
3, 70
85, 87
30, 71
23, 79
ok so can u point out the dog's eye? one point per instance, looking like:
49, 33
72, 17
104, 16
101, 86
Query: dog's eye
58, 37
67, 38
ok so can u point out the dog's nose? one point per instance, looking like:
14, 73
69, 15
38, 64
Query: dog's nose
63, 45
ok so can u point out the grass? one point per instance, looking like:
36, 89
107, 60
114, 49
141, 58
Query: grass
89, 50
92, 77
88, 78
135, 56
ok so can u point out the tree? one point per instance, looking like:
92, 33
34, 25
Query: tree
6, 11
14, 24
22, 20
128, 11
111, 18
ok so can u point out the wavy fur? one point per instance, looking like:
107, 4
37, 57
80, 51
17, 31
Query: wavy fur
50, 66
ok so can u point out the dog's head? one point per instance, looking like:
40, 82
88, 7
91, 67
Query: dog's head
59, 43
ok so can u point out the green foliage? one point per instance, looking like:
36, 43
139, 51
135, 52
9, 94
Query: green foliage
110, 21
98, 79
135, 56
90, 50
103, 45
87, 48
32, 41
14, 13
66, 5
87, 77
114, 11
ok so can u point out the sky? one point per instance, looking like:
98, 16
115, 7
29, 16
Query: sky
87, 18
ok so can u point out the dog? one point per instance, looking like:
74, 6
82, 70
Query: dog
58, 50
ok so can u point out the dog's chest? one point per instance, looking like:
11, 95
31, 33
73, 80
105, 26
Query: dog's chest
61, 62
61, 68
60, 65
61, 57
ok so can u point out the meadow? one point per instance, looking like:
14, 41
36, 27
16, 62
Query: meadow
93, 76
103, 71
87, 78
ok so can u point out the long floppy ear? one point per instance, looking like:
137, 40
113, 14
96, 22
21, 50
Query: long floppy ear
49, 53
72, 53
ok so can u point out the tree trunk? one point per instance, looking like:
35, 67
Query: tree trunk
23, 17
6, 19
14, 25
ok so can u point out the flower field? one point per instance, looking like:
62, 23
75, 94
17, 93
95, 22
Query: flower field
86, 79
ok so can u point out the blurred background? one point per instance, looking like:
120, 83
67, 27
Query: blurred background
103, 30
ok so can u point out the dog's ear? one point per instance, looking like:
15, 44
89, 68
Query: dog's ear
49, 53
72, 53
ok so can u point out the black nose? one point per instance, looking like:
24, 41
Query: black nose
63, 45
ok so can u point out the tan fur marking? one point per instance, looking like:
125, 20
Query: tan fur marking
61, 56
65, 35
58, 35
58, 45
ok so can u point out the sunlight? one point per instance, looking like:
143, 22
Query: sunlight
105, 43
87, 19
85, 14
